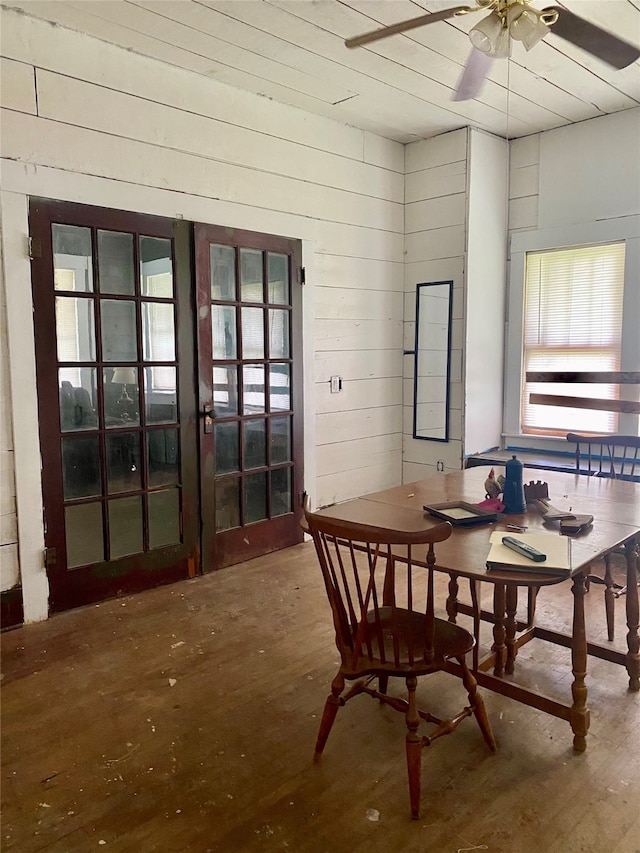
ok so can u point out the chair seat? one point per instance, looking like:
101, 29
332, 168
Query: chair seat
449, 641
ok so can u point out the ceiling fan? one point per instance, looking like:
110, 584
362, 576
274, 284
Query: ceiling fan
513, 20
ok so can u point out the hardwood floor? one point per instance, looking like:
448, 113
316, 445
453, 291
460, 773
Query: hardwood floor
184, 719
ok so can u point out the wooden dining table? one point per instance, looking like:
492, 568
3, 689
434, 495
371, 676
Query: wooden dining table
615, 506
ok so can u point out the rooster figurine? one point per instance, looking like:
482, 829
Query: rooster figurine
493, 487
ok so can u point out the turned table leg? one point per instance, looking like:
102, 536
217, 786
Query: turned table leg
499, 633
475, 604
633, 642
510, 624
579, 715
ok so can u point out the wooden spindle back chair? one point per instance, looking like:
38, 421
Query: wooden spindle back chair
616, 457
380, 587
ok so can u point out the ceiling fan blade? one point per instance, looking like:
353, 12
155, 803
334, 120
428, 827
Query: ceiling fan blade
593, 39
403, 26
473, 76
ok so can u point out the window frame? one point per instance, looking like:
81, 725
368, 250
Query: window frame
622, 229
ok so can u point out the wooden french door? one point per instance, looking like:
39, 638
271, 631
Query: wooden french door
117, 410
250, 393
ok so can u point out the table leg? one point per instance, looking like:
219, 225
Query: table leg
633, 642
609, 597
512, 607
475, 604
499, 632
579, 715
532, 594
452, 598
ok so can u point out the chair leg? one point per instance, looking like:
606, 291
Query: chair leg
329, 714
477, 704
383, 683
414, 748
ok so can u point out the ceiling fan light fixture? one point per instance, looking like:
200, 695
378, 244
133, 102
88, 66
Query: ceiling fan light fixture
532, 38
502, 47
522, 22
526, 25
490, 36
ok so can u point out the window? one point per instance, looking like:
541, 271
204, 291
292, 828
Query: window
572, 321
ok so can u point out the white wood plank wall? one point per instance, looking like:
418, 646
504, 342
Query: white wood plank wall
435, 224
524, 179
83, 120
9, 572
358, 309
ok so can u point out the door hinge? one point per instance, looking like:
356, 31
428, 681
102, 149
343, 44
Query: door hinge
34, 249
303, 276
49, 557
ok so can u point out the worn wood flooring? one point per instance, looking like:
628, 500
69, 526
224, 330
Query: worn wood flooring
184, 719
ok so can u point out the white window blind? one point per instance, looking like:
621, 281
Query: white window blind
572, 321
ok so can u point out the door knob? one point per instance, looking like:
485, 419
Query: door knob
207, 416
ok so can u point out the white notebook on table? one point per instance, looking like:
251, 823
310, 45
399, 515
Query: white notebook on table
554, 546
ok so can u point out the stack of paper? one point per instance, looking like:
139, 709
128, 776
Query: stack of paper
555, 547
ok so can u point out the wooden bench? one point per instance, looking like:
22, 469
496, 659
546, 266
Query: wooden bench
546, 461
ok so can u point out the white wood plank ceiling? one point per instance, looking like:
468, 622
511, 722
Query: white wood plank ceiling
293, 51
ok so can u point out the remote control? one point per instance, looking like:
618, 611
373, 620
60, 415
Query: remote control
525, 550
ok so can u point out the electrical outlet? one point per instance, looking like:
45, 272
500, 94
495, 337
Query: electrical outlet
336, 384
